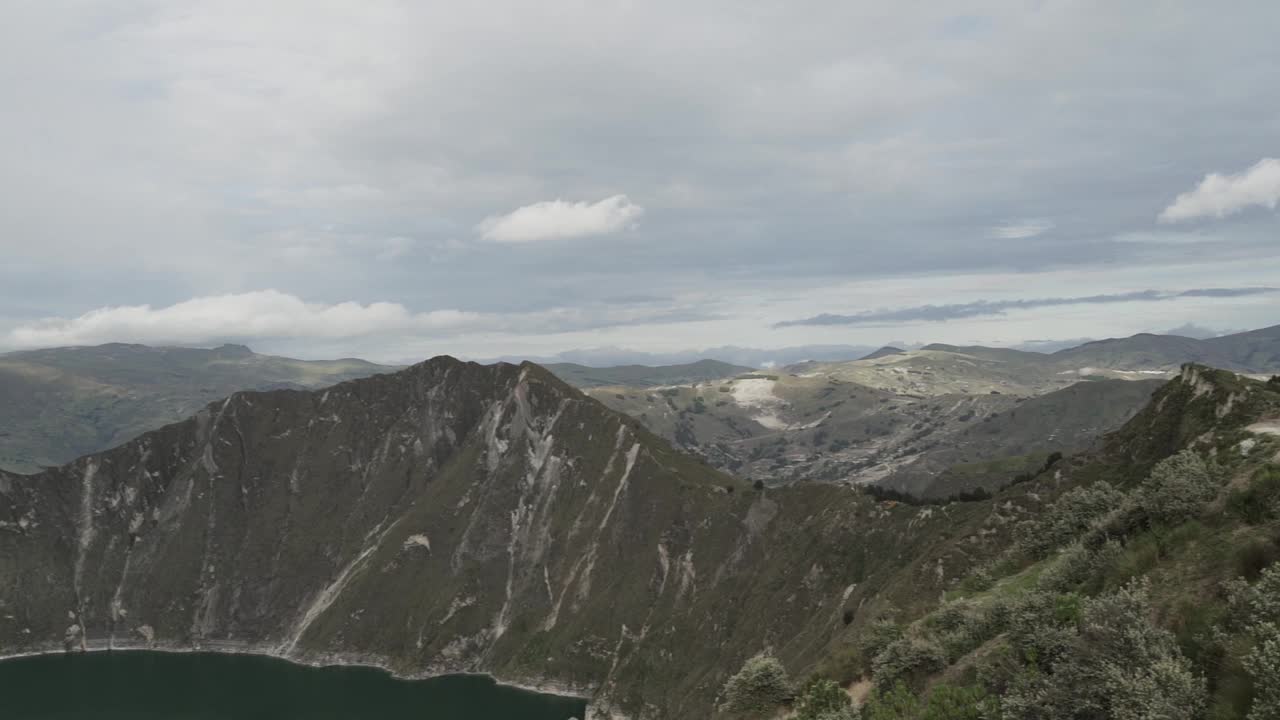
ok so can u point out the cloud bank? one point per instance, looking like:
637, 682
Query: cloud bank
957, 311
779, 163
558, 219
274, 315
245, 316
1222, 195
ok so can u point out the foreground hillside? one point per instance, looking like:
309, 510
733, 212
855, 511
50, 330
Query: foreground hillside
1138, 581
61, 403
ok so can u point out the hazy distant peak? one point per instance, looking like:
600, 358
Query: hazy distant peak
233, 350
882, 352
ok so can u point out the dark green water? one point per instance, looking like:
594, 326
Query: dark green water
191, 686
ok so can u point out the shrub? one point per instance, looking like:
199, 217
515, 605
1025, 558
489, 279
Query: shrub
818, 698
977, 580
1068, 518
1261, 500
1078, 563
876, 637
1178, 487
1258, 603
760, 686
1119, 665
898, 703
1256, 608
948, 702
1263, 664
945, 702
1139, 669
966, 626
1038, 629
1255, 556
1051, 460
907, 658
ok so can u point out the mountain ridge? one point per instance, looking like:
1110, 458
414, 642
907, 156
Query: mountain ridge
57, 404
284, 522
305, 524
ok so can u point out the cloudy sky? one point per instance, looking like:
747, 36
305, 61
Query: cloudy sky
401, 179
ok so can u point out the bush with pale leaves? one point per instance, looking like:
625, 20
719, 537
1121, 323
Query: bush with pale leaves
762, 685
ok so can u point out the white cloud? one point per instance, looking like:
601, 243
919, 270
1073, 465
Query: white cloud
1020, 229
271, 315
244, 316
161, 151
1221, 195
556, 219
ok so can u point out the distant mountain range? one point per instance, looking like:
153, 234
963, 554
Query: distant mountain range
931, 421
60, 403
645, 375
778, 357
1254, 351
732, 354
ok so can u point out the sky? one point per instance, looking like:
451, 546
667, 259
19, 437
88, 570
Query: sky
396, 180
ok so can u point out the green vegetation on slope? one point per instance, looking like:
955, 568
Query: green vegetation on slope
1146, 585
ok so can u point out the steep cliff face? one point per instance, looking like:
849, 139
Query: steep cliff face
450, 517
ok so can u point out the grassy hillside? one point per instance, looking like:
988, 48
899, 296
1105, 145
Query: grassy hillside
1256, 351
61, 403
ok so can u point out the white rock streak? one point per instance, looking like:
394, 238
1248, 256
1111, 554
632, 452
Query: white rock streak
330, 593
86, 528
